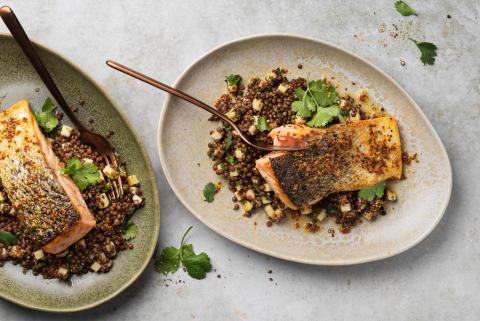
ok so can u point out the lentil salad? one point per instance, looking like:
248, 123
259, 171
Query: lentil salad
96, 251
257, 108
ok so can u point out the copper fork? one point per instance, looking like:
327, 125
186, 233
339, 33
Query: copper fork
98, 142
180, 94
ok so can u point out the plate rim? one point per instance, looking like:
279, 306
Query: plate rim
150, 172
259, 249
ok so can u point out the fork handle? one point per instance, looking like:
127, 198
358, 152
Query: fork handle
168, 89
19, 34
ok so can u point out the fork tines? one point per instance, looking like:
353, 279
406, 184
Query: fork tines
117, 188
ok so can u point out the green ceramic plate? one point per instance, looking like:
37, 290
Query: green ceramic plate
19, 80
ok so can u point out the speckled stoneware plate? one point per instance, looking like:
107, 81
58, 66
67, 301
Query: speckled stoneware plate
184, 135
19, 80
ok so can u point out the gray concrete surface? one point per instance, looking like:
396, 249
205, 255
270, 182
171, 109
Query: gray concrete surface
437, 280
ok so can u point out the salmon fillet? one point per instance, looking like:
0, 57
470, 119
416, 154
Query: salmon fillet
49, 204
342, 157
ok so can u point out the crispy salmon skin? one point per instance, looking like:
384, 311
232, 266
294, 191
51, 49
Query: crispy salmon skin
342, 157
49, 204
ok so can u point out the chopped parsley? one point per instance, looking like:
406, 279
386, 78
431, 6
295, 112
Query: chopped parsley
230, 159
46, 118
130, 231
169, 260
262, 124
7, 238
404, 9
84, 175
370, 192
209, 191
233, 79
319, 101
428, 51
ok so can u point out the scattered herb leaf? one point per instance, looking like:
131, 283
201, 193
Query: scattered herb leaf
209, 191
7, 238
83, 175
256, 187
230, 159
46, 118
130, 231
197, 265
428, 50
233, 79
262, 124
370, 192
168, 261
404, 9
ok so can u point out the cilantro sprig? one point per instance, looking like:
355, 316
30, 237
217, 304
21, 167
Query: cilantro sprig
317, 102
46, 118
233, 79
83, 175
130, 230
7, 238
404, 9
370, 192
428, 51
209, 191
169, 260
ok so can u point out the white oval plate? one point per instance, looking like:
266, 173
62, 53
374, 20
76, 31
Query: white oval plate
184, 135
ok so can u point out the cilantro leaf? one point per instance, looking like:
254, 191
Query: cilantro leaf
233, 79
404, 9
428, 51
262, 124
46, 118
168, 260
230, 159
324, 116
370, 192
187, 250
323, 94
301, 108
83, 175
306, 98
7, 238
208, 191
130, 231
197, 265
305, 105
